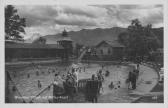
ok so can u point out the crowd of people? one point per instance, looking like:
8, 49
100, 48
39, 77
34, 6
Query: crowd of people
69, 84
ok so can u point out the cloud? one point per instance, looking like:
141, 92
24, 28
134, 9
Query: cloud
37, 15
66, 19
53, 19
66, 15
88, 11
123, 14
152, 16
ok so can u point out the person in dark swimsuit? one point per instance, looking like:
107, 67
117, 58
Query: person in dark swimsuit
92, 89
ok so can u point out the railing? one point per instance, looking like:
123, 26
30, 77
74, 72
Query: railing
82, 85
70, 96
42, 95
81, 55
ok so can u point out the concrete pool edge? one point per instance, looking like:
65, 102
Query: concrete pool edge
139, 92
156, 70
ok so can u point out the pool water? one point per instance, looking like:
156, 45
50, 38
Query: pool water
26, 79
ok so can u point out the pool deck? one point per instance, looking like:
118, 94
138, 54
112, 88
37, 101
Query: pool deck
146, 82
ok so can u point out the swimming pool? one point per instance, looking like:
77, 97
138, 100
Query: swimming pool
27, 86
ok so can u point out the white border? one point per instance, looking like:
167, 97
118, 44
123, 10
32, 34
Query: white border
79, 2
82, 2
165, 53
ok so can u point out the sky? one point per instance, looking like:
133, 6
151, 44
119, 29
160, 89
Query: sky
53, 19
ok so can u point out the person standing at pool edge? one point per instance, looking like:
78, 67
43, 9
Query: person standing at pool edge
134, 78
100, 79
39, 84
92, 89
75, 76
130, 81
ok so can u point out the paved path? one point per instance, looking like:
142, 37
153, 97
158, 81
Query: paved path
81, 55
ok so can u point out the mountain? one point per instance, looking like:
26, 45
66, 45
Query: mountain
90, 37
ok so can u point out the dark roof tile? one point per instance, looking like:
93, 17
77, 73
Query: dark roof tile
111, 43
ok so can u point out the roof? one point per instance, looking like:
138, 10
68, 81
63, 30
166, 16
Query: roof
65, 39
111, 43
64, 33
33, 46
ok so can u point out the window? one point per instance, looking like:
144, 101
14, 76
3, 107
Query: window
109, 51
101, 52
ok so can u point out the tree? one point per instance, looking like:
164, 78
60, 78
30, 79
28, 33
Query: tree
14, 25
40, 40
123, 38
153, 41
139, 40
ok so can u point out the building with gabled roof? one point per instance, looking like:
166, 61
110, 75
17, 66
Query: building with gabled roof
110, 50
